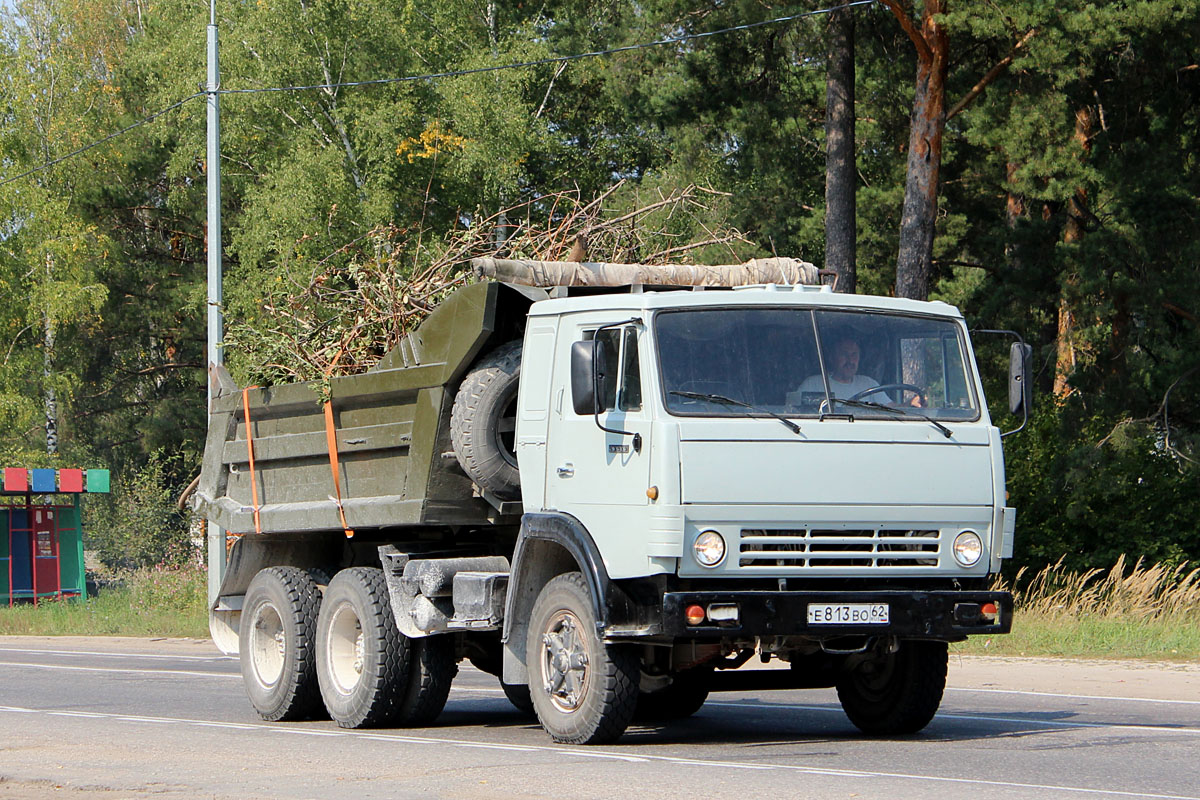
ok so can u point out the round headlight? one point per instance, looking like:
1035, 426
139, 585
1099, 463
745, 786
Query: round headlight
968, 547
709, 548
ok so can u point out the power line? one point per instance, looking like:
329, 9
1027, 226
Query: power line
451, 74
553, 59
99, 142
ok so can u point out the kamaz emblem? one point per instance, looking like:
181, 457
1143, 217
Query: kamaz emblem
618, 448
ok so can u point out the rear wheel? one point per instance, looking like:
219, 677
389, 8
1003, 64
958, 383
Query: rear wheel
518, 695
584, 692
431, 671
897, 693
362, 659
681, 699
276, 642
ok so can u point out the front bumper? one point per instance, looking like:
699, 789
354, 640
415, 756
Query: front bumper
945, 615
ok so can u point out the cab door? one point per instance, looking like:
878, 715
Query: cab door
601, 476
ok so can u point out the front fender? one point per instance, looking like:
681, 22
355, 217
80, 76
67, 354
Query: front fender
550, 544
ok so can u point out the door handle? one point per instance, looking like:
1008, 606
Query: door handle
566, 470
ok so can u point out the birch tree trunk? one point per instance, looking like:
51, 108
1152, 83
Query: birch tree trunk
841, 180
49, 399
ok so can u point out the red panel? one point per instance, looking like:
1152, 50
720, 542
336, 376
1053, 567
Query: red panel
45, 552
70, 480
16, 479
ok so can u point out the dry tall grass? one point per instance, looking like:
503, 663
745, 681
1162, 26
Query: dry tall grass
1142, 593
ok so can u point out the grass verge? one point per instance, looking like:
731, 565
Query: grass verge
1141, 612
149, 602
1040, 635
1126, 612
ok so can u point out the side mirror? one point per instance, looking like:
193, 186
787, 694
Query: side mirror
1020, 387
589, 368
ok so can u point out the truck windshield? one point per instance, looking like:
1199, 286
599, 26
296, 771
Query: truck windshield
806, 363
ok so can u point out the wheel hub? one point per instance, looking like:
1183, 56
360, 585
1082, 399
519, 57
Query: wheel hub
345, 649
268, 644
564, 662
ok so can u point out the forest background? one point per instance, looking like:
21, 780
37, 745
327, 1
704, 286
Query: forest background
1064, 203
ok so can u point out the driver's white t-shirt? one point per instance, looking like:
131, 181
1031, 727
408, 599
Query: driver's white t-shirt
842, 391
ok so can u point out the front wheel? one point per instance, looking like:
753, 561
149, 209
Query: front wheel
584, 692
897, 693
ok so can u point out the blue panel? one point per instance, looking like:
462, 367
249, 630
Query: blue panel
22, 579
44, 481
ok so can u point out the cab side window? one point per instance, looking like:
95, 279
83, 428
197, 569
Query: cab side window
622, 390
630, 396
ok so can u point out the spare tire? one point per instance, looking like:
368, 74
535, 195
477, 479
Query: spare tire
484, 420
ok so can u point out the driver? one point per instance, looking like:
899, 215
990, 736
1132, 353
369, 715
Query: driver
844, 380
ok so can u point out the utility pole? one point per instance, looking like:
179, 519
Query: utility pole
216, 536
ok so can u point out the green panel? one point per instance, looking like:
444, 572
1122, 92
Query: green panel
70, 550
97, 480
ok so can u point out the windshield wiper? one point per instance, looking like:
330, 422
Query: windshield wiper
729, 401
903, 411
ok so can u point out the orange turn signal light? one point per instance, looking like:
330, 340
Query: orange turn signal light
989, 610
652, 493
694, 614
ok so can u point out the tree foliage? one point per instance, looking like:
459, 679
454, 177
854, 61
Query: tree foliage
1066, 199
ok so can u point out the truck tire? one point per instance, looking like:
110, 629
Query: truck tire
518, 695
584, 691
362, 659
431, 671
897, 694
483, 421
277, 640
680, 700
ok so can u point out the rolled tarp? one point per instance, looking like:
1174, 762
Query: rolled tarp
787, 271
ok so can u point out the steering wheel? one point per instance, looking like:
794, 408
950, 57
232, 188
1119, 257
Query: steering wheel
887, 387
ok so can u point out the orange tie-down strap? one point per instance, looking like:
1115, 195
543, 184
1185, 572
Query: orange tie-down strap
331, 442
250, 453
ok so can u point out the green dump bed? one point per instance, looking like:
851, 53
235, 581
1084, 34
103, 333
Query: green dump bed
395, 461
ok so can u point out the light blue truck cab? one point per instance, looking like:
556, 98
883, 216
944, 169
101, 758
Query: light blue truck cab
714, 454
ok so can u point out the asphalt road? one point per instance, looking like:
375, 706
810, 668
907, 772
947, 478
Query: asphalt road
115, 718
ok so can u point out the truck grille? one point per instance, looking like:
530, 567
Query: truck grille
811, 547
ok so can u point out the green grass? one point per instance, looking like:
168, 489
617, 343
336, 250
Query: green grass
149, 602
1039, 635
1150, 613
1127, 612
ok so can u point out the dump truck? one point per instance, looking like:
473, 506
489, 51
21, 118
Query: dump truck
617, 499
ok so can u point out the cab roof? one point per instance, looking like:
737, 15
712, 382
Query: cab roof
818, 297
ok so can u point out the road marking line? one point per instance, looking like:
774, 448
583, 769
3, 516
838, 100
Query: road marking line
1077, 696
114, 655
1029, 693
940, 715
603, 754
123, 671
719, 703
974, 717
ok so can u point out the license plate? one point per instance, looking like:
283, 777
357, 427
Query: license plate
848, 614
